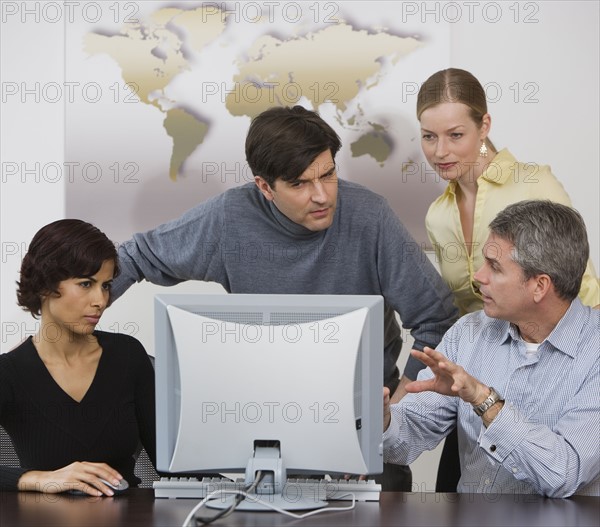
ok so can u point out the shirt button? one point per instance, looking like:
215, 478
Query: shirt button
514, 470
493, 448
487, 482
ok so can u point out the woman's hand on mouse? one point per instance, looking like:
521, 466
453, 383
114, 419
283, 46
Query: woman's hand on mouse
82, 476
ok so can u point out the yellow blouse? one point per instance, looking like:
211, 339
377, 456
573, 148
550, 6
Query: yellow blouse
505, 181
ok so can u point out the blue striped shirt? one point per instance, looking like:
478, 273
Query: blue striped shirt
546, 438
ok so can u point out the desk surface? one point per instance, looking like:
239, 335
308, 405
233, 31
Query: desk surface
138, 507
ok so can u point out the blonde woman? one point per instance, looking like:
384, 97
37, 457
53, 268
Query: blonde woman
482, 181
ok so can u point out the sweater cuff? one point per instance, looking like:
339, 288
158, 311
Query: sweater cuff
413, 367
9, 477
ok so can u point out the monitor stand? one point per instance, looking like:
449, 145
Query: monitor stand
272, 489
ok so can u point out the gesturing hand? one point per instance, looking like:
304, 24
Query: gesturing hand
83, 476
449, 378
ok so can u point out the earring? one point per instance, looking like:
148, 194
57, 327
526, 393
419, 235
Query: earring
483, 151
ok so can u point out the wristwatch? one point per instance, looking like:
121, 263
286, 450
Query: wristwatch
491, 400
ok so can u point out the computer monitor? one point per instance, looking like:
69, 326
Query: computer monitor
278, 383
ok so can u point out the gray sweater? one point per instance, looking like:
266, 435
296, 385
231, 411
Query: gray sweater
241, 240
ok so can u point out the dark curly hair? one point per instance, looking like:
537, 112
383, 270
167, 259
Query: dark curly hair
61, 250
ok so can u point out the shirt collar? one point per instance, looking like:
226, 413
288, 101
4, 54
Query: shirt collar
498, 171
565, 335
500, 168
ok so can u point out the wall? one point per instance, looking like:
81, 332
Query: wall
550, 61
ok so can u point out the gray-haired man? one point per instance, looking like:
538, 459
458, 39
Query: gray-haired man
521, 378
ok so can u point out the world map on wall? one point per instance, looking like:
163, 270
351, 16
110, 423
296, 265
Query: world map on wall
337, 65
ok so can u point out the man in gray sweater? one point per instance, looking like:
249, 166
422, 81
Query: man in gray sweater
299, 230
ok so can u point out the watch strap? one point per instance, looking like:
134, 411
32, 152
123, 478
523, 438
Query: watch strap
490, 400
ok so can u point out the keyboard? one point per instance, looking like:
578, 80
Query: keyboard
317, 489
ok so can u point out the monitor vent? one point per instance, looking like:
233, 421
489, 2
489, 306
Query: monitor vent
230, 316
282, 318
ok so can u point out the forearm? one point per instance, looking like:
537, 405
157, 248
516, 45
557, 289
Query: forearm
187, 248
436, 313
418, 423
412, 286
137, 262
128, 275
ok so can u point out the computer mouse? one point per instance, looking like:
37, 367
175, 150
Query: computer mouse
117, 489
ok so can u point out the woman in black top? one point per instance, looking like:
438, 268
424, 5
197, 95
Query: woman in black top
76, 402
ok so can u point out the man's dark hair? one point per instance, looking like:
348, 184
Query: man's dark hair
61, 250
282, 142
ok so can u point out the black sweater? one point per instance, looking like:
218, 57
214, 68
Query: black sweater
50, 430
